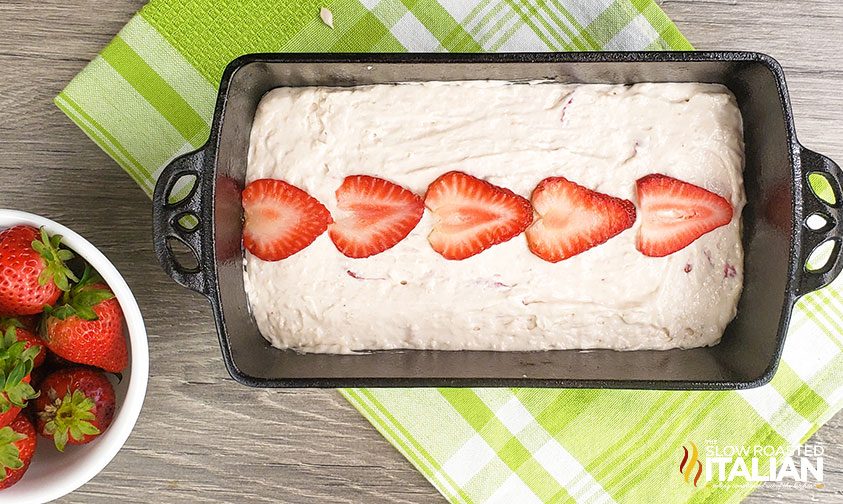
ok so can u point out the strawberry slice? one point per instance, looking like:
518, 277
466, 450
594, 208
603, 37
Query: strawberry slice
471, 215
379, 214
281, 219
675, 213
573, 219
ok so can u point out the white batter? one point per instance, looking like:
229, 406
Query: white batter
514, 135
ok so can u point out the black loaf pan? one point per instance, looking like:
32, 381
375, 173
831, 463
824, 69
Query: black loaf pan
776, 239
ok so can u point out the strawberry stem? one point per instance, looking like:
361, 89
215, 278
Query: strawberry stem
49, 248
80, 299
68, 417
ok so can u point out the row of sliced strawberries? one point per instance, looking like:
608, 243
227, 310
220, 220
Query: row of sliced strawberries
561, 219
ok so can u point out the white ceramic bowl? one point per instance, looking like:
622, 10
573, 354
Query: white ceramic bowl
53, 474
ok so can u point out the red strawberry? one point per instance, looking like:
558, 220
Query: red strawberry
32, 270
675, 213
16, 362
17, 446
75, 406
13, 410
281, 219
573, 219
88, 327
22, 333
471, 215
380, 214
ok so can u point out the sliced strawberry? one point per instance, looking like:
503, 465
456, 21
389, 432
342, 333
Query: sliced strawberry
471, 215
379, 215
675, 213
281, 219
573, 219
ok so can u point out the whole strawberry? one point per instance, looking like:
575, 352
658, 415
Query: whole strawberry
16, 362
75, 406
87, 328
32, 270
22, 333
17, 446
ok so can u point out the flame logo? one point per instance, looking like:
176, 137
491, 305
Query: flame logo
690, 464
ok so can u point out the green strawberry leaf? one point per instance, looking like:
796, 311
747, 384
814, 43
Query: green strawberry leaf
55, 270
40, 248
60, 279
15, 376
16, 397
16, 362
81, 298
92, 297
9, 453
60, 439
61, 312
88, 429
10, 337
69, 417
7, 323
86, 313
89, 277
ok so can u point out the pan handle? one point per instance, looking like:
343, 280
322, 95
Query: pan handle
183, 220
815, 163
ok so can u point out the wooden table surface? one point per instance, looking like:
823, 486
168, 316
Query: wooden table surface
203, 438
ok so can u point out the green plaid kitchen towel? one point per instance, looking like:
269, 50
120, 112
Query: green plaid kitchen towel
149, 97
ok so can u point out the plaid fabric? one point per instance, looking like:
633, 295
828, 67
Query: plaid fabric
149, 97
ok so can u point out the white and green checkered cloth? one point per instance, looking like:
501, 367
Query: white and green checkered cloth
149, 96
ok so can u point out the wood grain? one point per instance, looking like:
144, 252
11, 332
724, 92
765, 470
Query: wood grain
201, 437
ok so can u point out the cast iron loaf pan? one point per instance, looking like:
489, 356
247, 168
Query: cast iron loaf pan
776, 238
